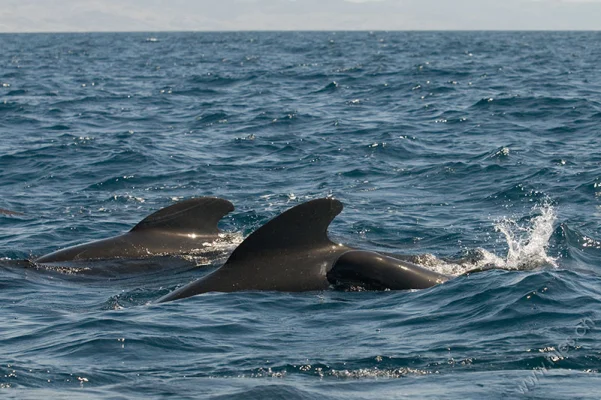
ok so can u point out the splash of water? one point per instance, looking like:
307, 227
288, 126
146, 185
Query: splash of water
527, 244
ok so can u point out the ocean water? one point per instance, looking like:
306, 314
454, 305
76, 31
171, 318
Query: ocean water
463, 149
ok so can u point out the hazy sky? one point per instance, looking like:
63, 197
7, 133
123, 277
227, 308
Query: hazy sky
186, 15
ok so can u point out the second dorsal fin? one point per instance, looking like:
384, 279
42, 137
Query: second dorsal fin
199, 215
305, 225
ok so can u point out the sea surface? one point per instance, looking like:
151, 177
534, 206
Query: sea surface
463, 149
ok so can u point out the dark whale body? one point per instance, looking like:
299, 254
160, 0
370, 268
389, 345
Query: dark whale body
374, 271
292, 252
177, 229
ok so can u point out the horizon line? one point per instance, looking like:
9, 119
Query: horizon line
294, 30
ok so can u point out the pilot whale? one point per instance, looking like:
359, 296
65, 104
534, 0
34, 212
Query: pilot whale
176, 229
293, 252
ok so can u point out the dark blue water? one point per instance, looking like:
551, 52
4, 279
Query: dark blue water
465, 149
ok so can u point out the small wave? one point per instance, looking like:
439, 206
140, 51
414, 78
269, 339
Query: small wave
329, 88
16, 92
9, 212
59, 127
386, 370
499, 154
210, 118
520, 191
530, 107
215, 80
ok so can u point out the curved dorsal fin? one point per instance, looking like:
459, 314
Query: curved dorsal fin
198, 215
305, 225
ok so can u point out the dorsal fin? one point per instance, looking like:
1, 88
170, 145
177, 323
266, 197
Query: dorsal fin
199, 215
305, 225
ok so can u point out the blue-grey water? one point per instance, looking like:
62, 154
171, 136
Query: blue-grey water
467, 149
